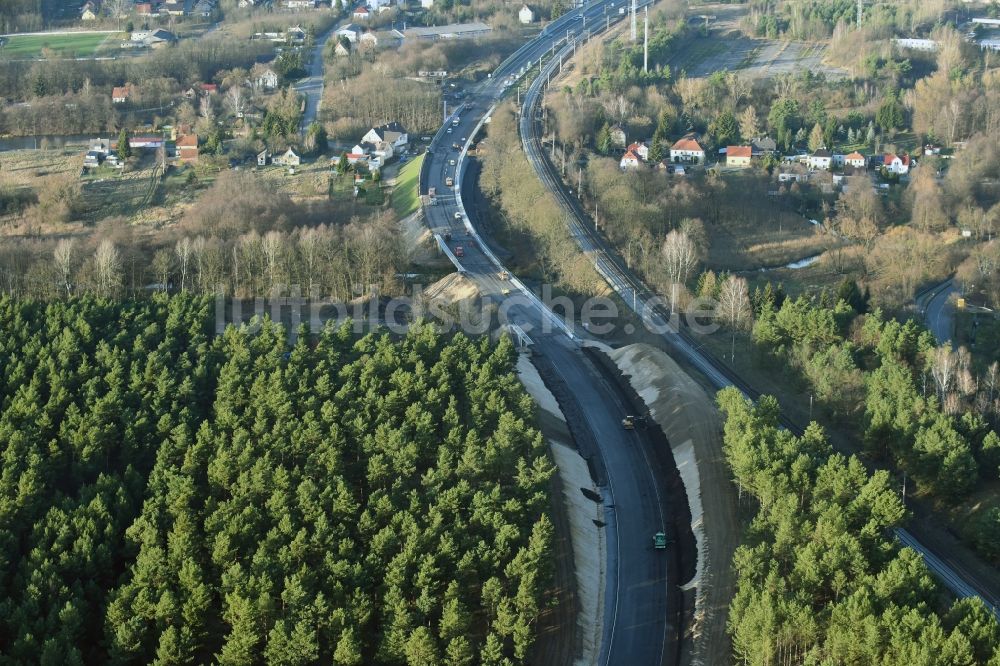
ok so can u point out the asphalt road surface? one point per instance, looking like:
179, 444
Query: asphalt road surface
311, 87
635, 623
939, 310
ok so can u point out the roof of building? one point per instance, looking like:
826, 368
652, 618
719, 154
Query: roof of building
362, 10
187, 141
450, 29
392, 128
738, 151
121, 91
631, 156
764, 143
890, 157
851, 157
210, 87
687, 143
822, 153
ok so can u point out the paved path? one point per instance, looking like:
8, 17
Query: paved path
312, 86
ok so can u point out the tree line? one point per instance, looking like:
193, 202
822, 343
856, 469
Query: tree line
820, 578
173, 497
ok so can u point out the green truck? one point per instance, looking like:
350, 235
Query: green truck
660, 541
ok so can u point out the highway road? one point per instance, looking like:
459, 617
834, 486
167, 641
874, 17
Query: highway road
654, 311
636, 626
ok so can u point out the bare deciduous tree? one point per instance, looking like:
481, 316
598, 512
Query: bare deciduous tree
680, 256
183, 251
63, 256
107, 269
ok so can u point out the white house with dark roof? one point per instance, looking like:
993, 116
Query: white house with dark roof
392, 133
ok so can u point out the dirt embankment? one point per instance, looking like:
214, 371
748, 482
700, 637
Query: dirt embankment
691, 422
572, 633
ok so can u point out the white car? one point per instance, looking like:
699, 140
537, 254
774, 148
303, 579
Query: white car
449, 130
451, 162
458, 215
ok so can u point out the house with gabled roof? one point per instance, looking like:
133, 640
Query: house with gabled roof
897, 164
821, 159
738, 156
392, 133
855, 159
120, 94
687, 151
629, 161
187, 148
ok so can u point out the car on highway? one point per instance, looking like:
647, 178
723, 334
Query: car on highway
449, 130
458, 215
451, 162
660, 541
459, 251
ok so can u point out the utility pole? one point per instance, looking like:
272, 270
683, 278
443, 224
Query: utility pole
445, 119
860, 9
645, 43
633, 21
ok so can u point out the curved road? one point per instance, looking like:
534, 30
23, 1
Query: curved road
653, 311
939, 310
636, 627
311, 87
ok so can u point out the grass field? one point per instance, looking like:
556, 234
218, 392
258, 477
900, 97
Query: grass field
406, 193
30, 46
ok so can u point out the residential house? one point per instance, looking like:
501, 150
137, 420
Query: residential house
822, 159
203, 8
121, 94
296, 34
763, 146
175, 7
738, 156
187, 148
100, 146
361, 13
525, 15
300, 4
378, 5
640, 149
931, 149
792, 177
113, 160
265, 77
152, 38
288, 158
354, 157
855, 159
341, 50
88, 12
209, 88
897, 164
629, 161
263, 157
243, 4
144, 8
687, 151
618, 136
352, 31
92, 160
393, 133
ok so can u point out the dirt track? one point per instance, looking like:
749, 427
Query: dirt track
692, 425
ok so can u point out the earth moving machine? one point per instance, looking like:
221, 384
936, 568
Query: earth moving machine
504, 275
631, 421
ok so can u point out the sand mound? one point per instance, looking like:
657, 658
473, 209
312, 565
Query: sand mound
693, 427
422, 249
450, 289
